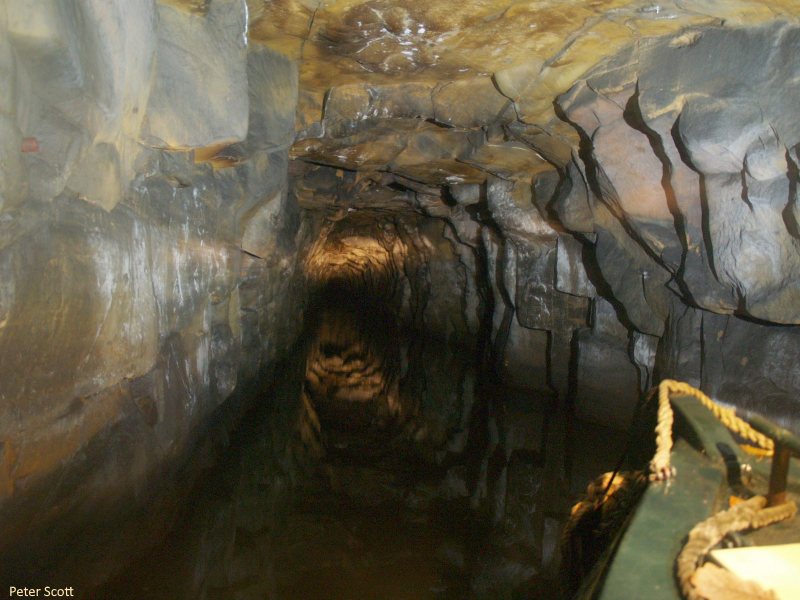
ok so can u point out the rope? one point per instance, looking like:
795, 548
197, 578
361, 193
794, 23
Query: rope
660, 467
594, 521
750, 514
610, 494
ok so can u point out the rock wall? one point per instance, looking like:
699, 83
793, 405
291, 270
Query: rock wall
147, 244
613, 213
685, 183
666, 246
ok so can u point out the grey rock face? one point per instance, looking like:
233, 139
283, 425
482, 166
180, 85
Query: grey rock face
571, 275
689, 166
79, 81
704, 144
272, 85
743, 363
203, 59
128, 312
608, 383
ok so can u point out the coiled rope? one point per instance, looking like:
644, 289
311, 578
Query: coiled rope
616, 490
611, 495
749, 514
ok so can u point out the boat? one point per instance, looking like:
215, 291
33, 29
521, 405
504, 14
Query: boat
712, 517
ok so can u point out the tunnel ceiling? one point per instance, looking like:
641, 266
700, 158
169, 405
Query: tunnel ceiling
446, 94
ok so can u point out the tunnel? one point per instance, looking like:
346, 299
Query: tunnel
352, 299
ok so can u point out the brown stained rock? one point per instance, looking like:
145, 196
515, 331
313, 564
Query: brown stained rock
201, 60
356, 107
198, 7
440, 172
285, 23
403, 100
553, 142
562, 70
308, 115
517, 81
345, 107
355, 152
509, 160
470, 103
432, 154
368, 149
535, 51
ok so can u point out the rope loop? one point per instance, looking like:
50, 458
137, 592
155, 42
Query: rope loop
660, 466
749, 514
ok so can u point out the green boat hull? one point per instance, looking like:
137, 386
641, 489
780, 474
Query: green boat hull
640, 563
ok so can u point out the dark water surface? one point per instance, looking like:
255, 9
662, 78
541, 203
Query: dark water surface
378, 466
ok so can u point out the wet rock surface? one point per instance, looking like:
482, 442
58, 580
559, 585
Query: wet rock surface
129, 309
649, 166
698, 222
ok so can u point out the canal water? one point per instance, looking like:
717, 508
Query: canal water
378, 466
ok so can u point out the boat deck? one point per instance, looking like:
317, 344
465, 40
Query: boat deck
641, 562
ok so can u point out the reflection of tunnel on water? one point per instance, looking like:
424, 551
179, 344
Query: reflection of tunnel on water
354, 360
352, 370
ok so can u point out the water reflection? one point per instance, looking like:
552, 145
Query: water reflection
376, 467
352, 377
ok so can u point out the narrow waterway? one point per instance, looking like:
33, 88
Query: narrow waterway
379, 466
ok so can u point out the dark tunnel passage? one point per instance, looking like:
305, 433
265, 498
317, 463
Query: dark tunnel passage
386, 462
